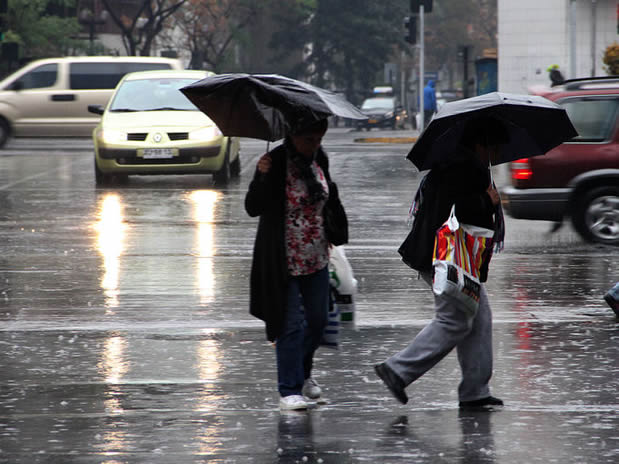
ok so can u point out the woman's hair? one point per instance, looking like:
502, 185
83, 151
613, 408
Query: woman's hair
312, 127
484, 130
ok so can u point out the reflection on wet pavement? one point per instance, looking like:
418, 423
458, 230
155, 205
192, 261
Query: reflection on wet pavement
126, 338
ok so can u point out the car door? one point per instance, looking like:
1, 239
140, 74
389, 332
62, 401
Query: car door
36, 99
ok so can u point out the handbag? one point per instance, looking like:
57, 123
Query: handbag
335, 220
460, 250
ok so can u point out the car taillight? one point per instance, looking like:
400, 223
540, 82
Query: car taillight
521, 169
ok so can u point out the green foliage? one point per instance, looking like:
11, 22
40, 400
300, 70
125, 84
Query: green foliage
38, 33
611, 59
349, 41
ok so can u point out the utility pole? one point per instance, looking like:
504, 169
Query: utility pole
422, 123
422, 6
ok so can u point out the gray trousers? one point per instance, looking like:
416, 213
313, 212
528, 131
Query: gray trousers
452, 328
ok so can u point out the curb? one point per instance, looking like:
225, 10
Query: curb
386, 140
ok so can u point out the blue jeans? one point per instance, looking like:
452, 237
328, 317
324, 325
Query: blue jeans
307, 310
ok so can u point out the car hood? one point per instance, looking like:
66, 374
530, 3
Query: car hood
186, 120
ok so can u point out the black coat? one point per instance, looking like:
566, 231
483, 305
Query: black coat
266, 198
464, 185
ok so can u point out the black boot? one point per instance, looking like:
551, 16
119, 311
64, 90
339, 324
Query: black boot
482, 403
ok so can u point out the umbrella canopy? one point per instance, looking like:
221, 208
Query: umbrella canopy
265, 106
534, 125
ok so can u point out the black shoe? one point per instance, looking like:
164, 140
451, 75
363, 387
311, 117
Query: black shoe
614, 304
394, 383
482, 403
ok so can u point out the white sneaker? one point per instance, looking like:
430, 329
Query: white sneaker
311, 389
292, 403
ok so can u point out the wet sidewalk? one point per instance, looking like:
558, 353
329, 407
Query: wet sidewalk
205, 395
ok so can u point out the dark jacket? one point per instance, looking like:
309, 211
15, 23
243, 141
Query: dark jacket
463, 184
266, 198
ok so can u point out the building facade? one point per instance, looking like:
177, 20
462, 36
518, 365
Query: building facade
535, 34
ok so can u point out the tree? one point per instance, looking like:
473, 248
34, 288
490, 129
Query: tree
39, 34
141, 21
611, 59
210, 27
345, 43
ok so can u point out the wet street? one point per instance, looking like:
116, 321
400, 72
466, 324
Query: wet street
125, 335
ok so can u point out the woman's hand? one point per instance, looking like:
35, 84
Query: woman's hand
264, 163
493, 194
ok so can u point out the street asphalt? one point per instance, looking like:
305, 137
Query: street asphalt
126, 338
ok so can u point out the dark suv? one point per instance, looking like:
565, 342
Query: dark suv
579, 178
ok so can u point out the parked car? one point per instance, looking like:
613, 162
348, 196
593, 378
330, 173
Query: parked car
150, 127
50, 97
383, 112
579, 178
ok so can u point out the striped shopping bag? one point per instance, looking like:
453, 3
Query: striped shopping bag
459, 252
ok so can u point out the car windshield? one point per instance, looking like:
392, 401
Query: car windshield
152, 95
378, 104
593, 118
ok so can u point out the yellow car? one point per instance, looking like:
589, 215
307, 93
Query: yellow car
150, 127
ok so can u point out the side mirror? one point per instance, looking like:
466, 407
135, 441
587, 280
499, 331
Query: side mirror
96, 109
17, 85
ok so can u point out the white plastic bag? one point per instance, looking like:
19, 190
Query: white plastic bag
343, 285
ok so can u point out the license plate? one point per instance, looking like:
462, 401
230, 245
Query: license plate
158, 153
373, 121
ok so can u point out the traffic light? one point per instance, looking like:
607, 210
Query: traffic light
410, 27
427, 5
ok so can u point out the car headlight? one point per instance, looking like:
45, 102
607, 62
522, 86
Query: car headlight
112, 136
206, 133
389, 114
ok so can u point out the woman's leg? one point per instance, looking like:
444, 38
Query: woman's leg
448, 328
289, 345
315, 294
475, 354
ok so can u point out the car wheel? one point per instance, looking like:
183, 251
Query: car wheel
222, 176
5, 131
596, 215
100, 177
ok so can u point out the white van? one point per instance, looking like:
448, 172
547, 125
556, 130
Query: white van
50, 97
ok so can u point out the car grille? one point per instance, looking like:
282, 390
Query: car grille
137, 136
178, 135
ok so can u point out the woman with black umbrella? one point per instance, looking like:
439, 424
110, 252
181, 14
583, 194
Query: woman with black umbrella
289, 283
466, 183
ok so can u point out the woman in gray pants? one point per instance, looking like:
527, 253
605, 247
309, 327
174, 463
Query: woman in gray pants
467, 184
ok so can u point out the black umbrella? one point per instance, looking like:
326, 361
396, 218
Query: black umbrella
265, 106
534, 124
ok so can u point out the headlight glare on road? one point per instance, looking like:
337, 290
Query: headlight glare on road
206, 133
112, 136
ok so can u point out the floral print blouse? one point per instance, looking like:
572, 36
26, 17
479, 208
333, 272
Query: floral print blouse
307, 248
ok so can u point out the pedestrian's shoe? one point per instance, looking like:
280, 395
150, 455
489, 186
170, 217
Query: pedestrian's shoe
482, 403
614, 304
292, 403
311, 389
394, 383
